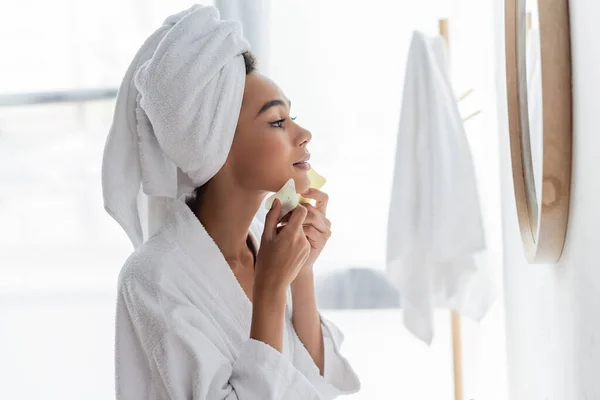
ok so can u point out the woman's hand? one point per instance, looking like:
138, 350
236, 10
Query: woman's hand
283, 251
316, 226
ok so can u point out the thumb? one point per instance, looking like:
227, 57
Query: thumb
271, 221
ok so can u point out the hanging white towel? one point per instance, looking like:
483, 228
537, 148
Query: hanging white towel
434, 225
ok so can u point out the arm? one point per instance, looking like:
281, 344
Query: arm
305, 317
268, 313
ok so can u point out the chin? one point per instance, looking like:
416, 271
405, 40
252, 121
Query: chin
302, 182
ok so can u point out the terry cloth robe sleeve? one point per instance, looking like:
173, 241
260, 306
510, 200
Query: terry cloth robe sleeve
189, 366
170, 349
338, 376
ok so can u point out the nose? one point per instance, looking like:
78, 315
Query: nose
303, 137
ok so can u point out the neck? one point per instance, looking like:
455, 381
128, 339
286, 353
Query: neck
226, 211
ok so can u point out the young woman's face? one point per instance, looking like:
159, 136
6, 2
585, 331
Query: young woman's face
268, 147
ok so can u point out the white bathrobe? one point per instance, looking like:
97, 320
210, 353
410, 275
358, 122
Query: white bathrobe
183, 325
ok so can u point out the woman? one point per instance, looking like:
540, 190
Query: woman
203, 307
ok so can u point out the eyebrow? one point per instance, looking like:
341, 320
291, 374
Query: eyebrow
273, 103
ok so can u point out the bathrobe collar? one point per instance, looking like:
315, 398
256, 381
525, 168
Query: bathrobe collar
208, 263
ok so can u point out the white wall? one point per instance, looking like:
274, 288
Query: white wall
553, 311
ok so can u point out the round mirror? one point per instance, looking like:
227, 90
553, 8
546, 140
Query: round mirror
531, 95
539, 107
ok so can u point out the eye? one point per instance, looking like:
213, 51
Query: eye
278, 124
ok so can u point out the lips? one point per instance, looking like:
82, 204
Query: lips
302, 165
303, 160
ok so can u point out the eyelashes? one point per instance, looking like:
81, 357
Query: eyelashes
280, 123
277, 124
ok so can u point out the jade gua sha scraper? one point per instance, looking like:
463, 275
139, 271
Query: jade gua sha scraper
289, 198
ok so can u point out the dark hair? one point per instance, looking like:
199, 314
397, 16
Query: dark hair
193, 201
250, 62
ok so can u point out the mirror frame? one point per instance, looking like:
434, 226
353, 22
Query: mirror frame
543, 231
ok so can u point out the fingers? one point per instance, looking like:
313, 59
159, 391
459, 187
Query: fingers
322, 198
313, 217
316, 219
271, 221
317, 227
297, 219
286, 217
314, 234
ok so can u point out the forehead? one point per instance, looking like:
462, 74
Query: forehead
260, 89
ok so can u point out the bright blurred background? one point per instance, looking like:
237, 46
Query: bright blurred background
342, 64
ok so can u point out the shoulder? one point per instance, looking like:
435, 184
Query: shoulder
146, 264
150, 283
154, 290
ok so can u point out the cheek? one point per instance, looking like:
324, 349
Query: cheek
275, 147
263, 153
273, 165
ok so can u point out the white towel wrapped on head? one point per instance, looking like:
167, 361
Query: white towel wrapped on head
175, 115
